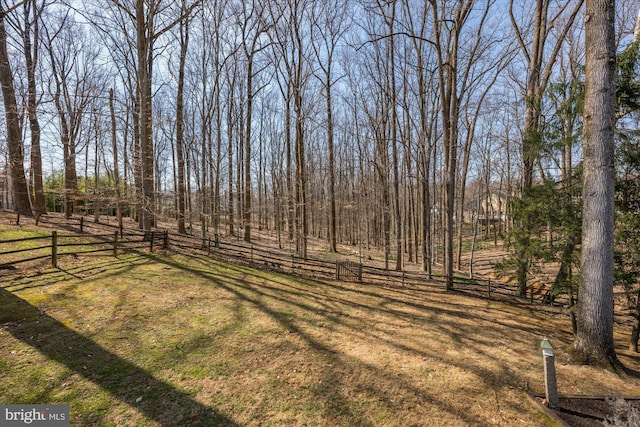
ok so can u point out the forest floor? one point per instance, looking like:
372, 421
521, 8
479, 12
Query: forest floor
181, 339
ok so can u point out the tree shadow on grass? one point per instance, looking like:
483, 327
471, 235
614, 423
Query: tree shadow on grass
336, 391
161, 402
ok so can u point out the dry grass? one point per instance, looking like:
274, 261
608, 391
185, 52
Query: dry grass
184, 340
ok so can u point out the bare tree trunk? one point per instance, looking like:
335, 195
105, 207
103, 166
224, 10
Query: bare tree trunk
230, 127
301, 173
447, 59
254, 26
116, 173
31, 60
96, 169
137, 162
246, 212
143, 81
332, 174
19, 188
394, 136
184, 44
594, 340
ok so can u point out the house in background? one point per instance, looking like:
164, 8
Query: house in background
488, 207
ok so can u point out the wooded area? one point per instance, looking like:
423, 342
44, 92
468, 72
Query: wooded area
416, 127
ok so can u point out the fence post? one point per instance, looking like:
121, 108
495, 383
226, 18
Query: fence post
82, 224
54, 249
489, 288
18, 219
337, 270
531, 298
209, 247
293, 264
252, 253
165, 240
151, 244
115, 243
38, 219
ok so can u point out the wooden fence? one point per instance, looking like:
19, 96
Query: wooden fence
252, 254
55, 245
349, 271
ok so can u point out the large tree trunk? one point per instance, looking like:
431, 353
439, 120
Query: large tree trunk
332, 174
31, 59
246, 211
289, 165
230, 127
184, 43
20, 191
448, 87
594, 340
144, 73
301, 173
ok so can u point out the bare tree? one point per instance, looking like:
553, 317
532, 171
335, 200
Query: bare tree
74, 86
184, 45
594, 341
29, 29
116, 170
539, 68
253, 21
151, 20
19, 188
447, 29
331, 22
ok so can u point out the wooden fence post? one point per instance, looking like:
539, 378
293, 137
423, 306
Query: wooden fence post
489, 288
54, 249
531, 298
115, 243
165, 240
82, 224
151, 242
18, 219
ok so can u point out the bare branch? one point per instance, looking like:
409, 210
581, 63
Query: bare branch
516, 29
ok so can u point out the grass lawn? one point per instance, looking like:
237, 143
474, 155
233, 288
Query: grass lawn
176, 340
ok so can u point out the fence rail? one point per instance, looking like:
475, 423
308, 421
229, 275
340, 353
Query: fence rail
349, 271
79, 244
255, 255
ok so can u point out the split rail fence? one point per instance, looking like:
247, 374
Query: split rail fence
83, 240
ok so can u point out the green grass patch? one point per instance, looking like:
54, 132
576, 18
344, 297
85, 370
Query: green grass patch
185, 340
